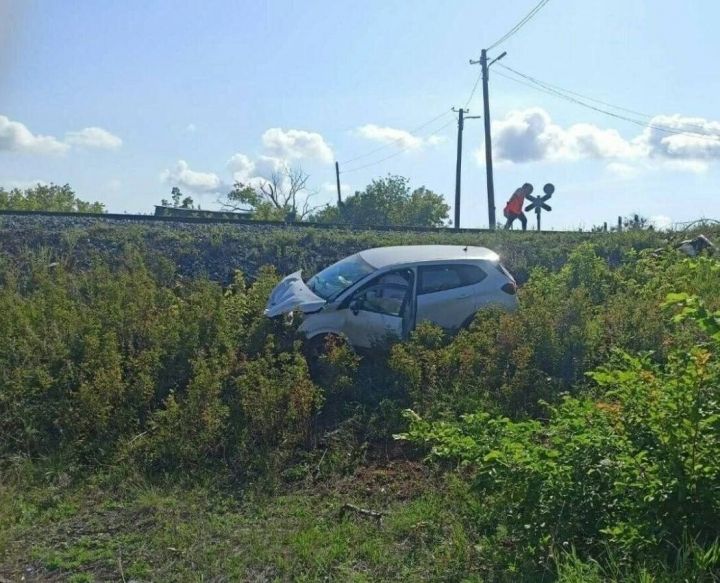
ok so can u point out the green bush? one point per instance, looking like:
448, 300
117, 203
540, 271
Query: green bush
114, 356
111, 362
633, 471
568, 323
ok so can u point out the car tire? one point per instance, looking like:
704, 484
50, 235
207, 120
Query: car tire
316, 346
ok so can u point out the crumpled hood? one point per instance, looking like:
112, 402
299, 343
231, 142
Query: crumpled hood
292, 294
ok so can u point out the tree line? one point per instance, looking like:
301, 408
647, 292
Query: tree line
47, 197
385, 201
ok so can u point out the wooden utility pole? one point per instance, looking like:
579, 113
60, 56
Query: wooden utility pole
458, 165
483, 62
337, 180
488, 142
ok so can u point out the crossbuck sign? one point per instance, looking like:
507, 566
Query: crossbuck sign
537, 203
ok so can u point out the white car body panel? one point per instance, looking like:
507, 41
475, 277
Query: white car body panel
292, 294
449, 308
367, 329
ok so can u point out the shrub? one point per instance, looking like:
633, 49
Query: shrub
634, 471
110, 362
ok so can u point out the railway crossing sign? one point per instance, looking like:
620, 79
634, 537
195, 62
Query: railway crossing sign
538, 203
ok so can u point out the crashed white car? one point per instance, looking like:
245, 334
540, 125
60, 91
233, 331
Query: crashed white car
381, 294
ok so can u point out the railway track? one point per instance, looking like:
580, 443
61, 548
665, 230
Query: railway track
242, 222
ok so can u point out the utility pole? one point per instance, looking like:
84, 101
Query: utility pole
458, 166
337, 180
483, 62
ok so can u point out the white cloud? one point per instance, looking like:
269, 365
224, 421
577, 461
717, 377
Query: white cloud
661, 222
93, 137
703, 144
397, 137
266, 166
256, 172
198, 182
293, 145
584, 140
530, 135
387, 135
436, 140
16, 137
241, 166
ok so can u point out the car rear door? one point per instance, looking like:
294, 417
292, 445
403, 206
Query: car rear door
447, 294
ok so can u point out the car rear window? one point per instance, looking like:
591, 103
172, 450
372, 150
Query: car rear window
437, 278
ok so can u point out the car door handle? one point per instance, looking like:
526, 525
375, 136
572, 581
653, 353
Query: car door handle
464, 296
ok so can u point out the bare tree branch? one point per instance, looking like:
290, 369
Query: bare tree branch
227, 204
283, 195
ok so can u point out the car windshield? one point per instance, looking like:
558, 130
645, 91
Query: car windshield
334, 280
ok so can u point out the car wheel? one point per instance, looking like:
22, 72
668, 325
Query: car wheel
316, 346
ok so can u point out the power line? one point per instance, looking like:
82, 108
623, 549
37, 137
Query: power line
538, 7
393, 155
384, 146
539, 86
556, 88
472, 93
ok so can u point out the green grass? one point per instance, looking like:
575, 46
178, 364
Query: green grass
162, 532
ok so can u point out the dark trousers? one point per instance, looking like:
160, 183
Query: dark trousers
511, 218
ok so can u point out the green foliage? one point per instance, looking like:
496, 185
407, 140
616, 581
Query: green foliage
389, 201
47, 197
110, 362
633, 471
216, 251
145, 349
283, 196
244, 197
568, 323
178, 201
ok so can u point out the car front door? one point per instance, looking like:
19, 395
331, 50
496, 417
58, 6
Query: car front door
447, 294
376, 313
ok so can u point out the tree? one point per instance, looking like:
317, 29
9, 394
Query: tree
177, 195
389, 201
284, 196
47, 197
637, 223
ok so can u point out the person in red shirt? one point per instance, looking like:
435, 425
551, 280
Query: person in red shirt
514, 207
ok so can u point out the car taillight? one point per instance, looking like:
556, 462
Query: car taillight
510, 288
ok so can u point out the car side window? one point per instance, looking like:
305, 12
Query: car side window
435, 278
387, 298
386, 294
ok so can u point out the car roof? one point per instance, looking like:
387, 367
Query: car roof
381, 257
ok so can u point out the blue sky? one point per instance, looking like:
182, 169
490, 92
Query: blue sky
125, 99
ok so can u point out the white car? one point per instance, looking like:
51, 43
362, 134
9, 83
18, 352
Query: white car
381, 294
